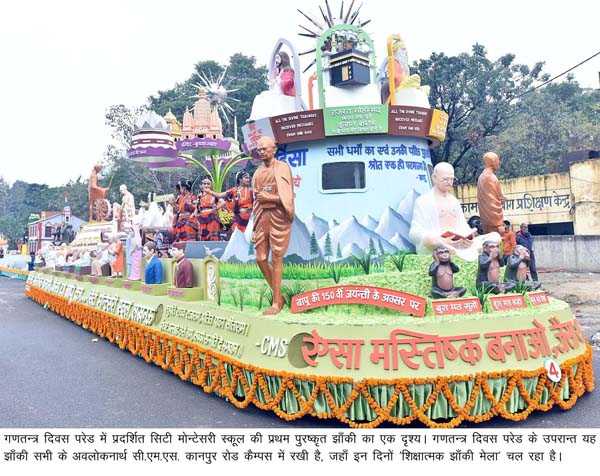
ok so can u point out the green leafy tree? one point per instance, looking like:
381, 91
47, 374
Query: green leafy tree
547, 124
381, 250
478, 94
338, 253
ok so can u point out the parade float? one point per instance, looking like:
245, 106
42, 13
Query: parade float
358, 335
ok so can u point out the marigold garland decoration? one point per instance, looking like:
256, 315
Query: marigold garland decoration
209, 370
20, 272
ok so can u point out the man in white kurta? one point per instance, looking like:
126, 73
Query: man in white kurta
438, 213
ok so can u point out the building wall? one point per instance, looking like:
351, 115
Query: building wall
585, 187
534, 199
570, 253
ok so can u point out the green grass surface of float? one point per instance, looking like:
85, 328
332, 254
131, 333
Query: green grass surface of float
357, 314
413, 279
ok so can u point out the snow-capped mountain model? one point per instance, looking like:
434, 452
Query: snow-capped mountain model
352, 232
369, 222
317, 225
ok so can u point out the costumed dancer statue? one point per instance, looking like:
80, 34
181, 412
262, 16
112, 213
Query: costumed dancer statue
273, 215
185, 227
518, 269
96, 195
488, 273
489, 195
438, 220
183, 274
280, 98
242, 198
127, 208
442, 272
209, 225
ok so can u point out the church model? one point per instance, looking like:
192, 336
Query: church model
388, 307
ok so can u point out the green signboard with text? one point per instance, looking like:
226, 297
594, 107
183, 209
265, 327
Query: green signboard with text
347, 120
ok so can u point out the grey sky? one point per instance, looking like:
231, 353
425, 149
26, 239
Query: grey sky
63, 62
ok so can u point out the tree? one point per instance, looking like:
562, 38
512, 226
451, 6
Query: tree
477, 93
328, 251
314, 247
381, 250
338, 253
372, 251
250, 249
547, 124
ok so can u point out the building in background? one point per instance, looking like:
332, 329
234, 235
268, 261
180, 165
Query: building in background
42, 231
566, 203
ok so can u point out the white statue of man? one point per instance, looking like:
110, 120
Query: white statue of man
127, 207
438, 220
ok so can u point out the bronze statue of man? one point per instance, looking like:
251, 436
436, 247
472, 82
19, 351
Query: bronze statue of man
95, 193
489, 195
273, 212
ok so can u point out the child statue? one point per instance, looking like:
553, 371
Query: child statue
488, 274
517, 269
442, 275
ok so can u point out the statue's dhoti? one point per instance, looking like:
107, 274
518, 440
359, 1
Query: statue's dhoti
272, 230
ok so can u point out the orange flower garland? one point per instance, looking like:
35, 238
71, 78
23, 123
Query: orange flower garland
209, 370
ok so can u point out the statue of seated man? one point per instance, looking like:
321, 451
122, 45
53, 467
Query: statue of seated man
438, 220
517, 269
183, 274
442, 275
488, 273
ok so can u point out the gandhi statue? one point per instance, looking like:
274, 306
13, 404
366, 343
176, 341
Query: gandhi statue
438, 220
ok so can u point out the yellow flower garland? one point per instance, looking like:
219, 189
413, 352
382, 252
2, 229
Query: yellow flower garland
21, 272
207, 369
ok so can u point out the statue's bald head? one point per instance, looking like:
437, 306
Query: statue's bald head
266, 148
491, 160
266, 141
443, 177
